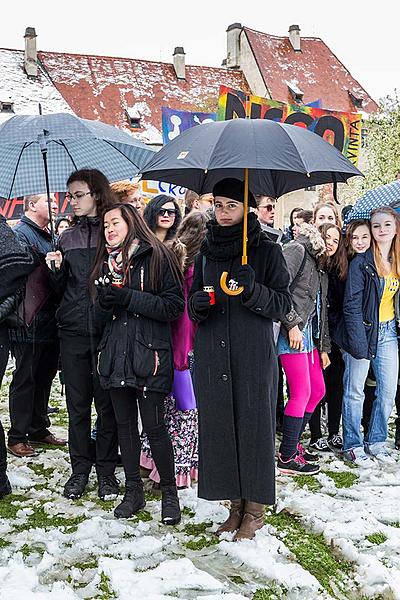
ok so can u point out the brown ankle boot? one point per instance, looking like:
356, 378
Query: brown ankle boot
253, 519
235, 518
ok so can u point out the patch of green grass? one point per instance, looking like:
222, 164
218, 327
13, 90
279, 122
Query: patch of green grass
90, 564
143, 515
4, 543
106, 591
150, 496
270, 593
342, 479
308, 481
377, 538
8, 510
312, 552
196, 528
188, 512
237, 579
27, 550
201, 542
41, 519
39, 469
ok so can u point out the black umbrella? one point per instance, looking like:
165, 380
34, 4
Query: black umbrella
272, 158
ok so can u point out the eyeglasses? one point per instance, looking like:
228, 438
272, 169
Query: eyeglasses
269, 207
78, 196
169, 212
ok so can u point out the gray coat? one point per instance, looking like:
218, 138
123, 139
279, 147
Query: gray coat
306, 279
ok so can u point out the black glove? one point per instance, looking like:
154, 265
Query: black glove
247, 278
113, 296
200, 301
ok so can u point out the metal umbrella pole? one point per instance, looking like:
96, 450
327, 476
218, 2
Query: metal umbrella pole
43, 150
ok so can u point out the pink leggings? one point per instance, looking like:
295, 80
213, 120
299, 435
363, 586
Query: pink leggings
306, 382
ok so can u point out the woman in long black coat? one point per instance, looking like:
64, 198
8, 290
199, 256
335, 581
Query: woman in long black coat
235, 361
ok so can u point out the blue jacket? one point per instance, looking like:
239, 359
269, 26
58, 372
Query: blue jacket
363, 294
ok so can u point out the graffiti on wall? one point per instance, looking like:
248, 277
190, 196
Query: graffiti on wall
176, 121
342, 130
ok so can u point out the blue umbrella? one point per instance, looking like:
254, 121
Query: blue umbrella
383, 195
69, 143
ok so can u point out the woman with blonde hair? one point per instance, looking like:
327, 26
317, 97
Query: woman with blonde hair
371, 313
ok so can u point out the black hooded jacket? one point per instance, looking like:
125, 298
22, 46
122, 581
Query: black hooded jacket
151, 212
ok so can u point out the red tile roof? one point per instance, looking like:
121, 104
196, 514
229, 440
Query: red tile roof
102, 87
315, 70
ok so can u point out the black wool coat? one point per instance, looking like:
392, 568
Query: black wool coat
135, 348
235, 369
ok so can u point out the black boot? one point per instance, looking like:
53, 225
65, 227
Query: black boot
397, 435
170, 510
132, 502
5, 486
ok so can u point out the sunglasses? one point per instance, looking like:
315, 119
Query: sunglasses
269, 207
169, 212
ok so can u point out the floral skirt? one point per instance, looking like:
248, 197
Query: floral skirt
182, 427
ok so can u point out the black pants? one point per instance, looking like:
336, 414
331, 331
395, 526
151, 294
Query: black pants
35, 369
333, 377
4, 349
82, 386
125, 402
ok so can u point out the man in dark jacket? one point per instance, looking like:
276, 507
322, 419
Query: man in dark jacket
35, 344
16, 263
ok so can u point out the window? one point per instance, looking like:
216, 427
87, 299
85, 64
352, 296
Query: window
358, 102
133, 118
7, 107
311, 188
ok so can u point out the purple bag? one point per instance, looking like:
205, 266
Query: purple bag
182, 390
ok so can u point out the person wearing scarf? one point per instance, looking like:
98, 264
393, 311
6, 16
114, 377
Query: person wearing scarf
16, 263
236, 371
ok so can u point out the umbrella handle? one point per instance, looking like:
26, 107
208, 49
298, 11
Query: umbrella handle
223, 278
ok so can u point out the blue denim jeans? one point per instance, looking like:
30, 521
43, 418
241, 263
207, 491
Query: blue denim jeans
385, 366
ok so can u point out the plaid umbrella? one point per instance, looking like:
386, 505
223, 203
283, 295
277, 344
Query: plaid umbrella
70, 143
383, 195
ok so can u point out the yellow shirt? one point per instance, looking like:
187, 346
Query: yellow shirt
386, 307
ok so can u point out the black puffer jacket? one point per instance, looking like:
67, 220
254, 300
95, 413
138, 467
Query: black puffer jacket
78, 246
306, 279
135, 350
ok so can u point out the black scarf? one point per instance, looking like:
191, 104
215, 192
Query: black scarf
16, 261
222, 243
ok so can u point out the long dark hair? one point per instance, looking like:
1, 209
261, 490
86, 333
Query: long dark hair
98, 185
189, 238
337, 263
137, 228
150, 214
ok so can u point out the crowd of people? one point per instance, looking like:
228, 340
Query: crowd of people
188, 382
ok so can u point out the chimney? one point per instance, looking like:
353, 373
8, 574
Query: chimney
30, 59
294, 37
179, 62
233, 46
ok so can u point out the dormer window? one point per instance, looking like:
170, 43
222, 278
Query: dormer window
294, 90
133, 117
7, 107
358, 102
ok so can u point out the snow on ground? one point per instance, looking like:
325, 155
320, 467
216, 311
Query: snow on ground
333, 536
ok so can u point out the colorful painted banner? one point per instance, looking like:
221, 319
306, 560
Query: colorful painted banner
13, 209
342, 130
176, 121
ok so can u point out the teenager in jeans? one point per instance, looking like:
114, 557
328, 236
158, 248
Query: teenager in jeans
371, 309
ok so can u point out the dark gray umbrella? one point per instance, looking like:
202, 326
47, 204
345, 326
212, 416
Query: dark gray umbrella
271, 158
280, 158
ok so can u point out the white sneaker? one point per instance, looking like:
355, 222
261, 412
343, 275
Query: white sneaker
384, 457
358, 457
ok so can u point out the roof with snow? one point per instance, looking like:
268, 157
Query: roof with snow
114, 89
315, 70
25, 94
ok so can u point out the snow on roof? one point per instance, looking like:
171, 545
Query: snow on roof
107, 88
315, 70
25, 93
